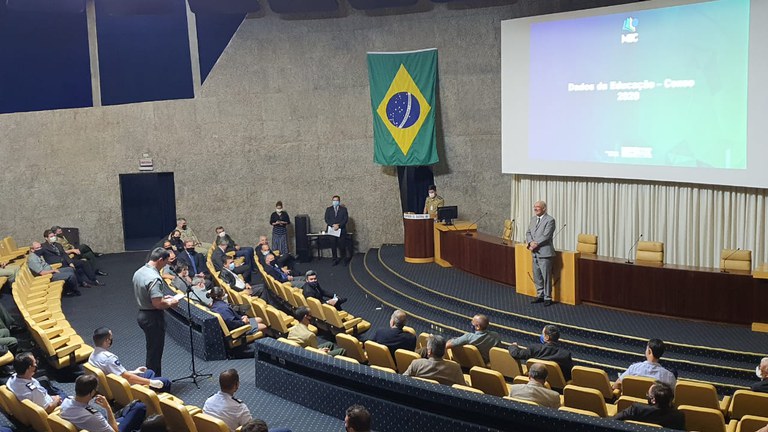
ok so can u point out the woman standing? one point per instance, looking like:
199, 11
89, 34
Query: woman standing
280, 221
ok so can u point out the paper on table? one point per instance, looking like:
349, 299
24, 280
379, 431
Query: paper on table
333, 232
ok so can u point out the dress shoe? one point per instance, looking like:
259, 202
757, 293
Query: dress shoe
74, 293
547, 303
537, 300
98, 254
98, 283
101, 273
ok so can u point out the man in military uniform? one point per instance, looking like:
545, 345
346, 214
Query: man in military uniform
83, 252
432, 202
25, 386
188, 234
98, 417
224, 405
148, 290
109, 363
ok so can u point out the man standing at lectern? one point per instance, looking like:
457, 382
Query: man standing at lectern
539, 240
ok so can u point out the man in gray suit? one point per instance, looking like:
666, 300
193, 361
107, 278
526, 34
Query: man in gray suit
535, 390
539, 239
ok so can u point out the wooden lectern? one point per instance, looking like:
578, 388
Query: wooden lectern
565, 273
442, 229
419, 238
761, 283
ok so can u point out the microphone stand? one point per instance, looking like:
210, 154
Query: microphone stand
194, 375
466, 231
629, 261
724, 270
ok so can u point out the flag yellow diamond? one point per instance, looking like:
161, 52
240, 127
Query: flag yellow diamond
403, 109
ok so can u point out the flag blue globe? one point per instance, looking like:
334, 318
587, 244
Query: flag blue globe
403, 110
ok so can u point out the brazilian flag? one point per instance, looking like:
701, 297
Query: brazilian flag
403, 103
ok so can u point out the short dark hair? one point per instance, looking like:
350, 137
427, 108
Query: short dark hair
436, 346
538, 371
46, 233
432, 188
663, 394
85, 384
159, 254
657, 347
215, 293
219, 228
100, 335
552, 331
310, 273
358, 418
336, 197
300, 313
255, 425
154, 423
180, 267
229, 379
55, 228
22, 362
222, 241
279, 204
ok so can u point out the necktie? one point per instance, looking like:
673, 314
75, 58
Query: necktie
192, 260
335, 211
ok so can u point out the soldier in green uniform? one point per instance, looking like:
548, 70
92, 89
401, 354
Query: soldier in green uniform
433, 201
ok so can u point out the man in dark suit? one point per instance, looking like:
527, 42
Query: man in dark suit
219, 257
336, 216
312, 288
548, 349
194, 260
240, 251
54, 253
659, 409
762, 372
393, 337
539, 240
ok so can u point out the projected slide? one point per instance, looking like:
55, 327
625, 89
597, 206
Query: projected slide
659, 87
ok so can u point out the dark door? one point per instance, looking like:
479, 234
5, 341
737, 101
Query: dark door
149, 208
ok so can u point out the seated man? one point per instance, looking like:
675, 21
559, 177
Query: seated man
482, 338
549, 349
231, 318
535, 390
313, 289
39, 267
188, 234
183, 282
762, 372
98, 416
263, 249
434, 366
230, 278
240, 251
659, 409
301, 334
393, 337
109, 363
650, 367
194, 260
25, 386
83, 252
9, 270
53, 253
280, 275
218, 258
357, 419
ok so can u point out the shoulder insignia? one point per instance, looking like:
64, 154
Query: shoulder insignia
31, 385
237, 400
91, 409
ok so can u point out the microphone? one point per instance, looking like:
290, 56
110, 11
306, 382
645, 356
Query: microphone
723, 270
629, 261
466, 231
558, 232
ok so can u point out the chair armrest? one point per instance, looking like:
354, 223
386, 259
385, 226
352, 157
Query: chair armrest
37, 309
67, 350
238, 332
731, 426
56, 266
351, 323
724, 404
59, 341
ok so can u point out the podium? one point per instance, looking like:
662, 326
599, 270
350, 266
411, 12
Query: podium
419, 238
441, 230
760, 275
565, 273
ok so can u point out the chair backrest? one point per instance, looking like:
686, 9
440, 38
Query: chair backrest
508, 230
636, 386
315, 308
518, 400
121, 390
503, 362
696, 394
649, 251
587, 243
524, 379
99, 374
353, 347
379, 355
347, 359
58, 424
489, 381
468, 356
261, 311
593, 378
275, 321
734, 259
289, 342
332, 316
555, 376
625, 402
421, 340
404, 358
299, 299
177, 418
467, 388
745, 402
208, 423
14, 405
38, 418
148, 397
703, 419
578, 411
750, 423
585, 398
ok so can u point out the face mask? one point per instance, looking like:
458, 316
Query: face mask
231, 266
191, 250
757, 369
650, 400
312, 284
265, 252
431, 194
184, 226
39, 252
52, 239
335, 203
222, 234
279, 210
541, 338
177, 237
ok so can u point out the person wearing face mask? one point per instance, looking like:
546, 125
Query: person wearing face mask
660, 410
82, 252
280, 274
230, 278
548, 349
219, 257
286, 262
109, 363
240, 251
198, 270
91, 411
336, 216
312, 288
480, 337
54, 253
231, 318
39, 267
762, 372
280, 221
176, 242
432, 202
188, 234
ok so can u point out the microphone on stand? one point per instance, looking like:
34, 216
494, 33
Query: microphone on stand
629, 261
558, 232
466, 231
723, 270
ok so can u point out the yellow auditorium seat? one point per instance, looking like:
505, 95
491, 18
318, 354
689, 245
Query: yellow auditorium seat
38, 418
587, 399
555, 376
587, 244
524, 379
121, 389
58, 424
522, 401
379, 355
467, 388
625, 402
352, 346
207, 423
706, 420
177, 416
421, 340
489, 381
103, 387
734, 259
653, 425
750, 423
650, 252
468, 356
404, 358
597, 379
636, 386
700, 395
12, 406
578, 411
503, 362
746, 402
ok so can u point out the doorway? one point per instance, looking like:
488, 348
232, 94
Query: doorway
148, 202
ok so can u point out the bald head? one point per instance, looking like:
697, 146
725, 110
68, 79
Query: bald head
480, 322
538, 372
398, 319
763, 368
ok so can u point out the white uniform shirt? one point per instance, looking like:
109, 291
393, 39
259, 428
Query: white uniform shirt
84, 416
229, 409
29, 389
106, 361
